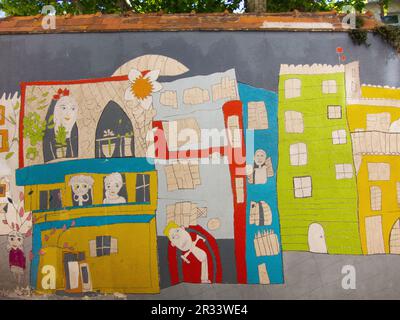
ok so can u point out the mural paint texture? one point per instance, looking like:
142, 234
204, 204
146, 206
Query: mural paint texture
152, 175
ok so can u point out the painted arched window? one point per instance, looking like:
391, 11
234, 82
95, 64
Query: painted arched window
114, 133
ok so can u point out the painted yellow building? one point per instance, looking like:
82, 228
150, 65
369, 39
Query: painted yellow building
374, 121
93, 246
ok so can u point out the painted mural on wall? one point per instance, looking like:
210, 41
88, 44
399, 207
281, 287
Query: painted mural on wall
97, 173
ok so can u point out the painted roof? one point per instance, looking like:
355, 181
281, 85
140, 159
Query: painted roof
293, 21
55, 172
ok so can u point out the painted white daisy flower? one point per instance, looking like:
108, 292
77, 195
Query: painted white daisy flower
142, 86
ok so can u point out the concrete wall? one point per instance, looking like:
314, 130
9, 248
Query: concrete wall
256, 58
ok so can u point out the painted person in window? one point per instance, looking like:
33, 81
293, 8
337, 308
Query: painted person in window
61, 136
192, 253
113, 184
82, 190
261, 170
16, 256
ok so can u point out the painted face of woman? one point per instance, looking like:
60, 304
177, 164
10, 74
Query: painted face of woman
65, 112
260, 157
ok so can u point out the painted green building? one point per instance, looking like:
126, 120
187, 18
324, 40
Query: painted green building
317, 192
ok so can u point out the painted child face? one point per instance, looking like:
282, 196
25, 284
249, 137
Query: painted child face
180, 238
113, 187
65, 111
15, 240
260, 157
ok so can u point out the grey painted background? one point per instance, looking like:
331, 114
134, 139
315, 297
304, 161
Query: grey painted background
256, 57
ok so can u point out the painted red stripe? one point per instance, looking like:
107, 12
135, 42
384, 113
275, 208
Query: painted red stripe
80, 81
237, 165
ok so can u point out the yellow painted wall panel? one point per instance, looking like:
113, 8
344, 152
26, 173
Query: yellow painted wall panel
133, 269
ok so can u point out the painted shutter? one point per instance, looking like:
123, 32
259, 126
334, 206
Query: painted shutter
92, 248
114, 245
373, 226
73, 268
395, 238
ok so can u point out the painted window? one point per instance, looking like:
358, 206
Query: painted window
142, 188
329, 86
298, 154
294, 122
114, 133
187, 129
103, 246
378, 171
234, 132
50, 199
85, 275
3, 190
292, 88
376, 198
114, 190
339, 137
182, 176
185, 213
2, 115
239, 182
378, 121
257, 115
260, 213
82, 190
302, 187
3, 140
334, 112
398, 193
344, 171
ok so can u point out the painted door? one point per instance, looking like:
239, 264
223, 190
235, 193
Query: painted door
373, 227
395, 238
72, 273
85, 276
316, 239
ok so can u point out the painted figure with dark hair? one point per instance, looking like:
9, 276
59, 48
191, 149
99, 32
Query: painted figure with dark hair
16, 256
262, 169
61, 136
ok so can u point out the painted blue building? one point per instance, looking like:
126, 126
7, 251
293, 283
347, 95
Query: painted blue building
263, 226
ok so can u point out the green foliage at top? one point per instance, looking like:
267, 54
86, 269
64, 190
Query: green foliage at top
313, 5
28, 7
359, 36
391, 35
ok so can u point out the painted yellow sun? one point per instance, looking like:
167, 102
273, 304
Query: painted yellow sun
142, 87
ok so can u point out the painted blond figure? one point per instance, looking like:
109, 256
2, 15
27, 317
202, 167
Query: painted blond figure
182, 240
